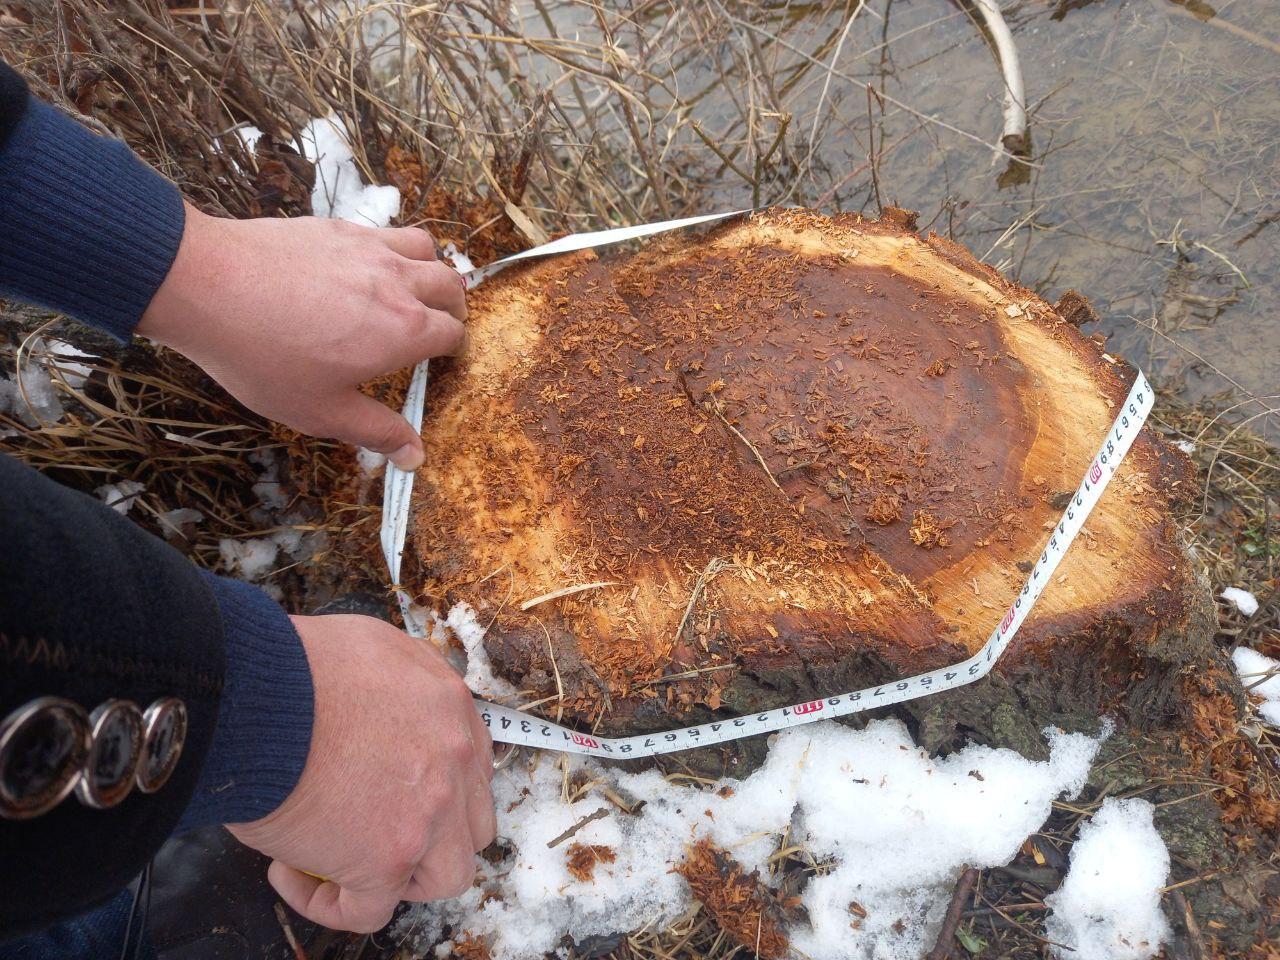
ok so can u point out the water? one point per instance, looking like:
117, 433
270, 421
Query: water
1157, 191
1154, 178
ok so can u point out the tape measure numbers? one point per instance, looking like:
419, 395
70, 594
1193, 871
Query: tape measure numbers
508, 725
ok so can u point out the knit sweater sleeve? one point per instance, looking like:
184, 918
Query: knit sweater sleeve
89, 229
86, 228
94, 609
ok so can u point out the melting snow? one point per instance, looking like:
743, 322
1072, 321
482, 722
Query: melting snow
1245, 601
463, 623
339, 189
1108, 908
370, 461
270, 495
892, 826
67, 359
40, 404
249, 135
250, 559
173, 522
461, 262
1261, 678
255, 557
121, 496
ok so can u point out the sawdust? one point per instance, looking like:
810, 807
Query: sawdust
583, 857
884, 509
740, 904
467, 947
478, 226
1214, 738
927, 532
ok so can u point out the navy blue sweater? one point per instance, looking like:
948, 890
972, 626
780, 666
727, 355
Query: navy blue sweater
88, 229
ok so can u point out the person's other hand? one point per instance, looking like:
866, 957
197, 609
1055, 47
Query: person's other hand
394, 801
290, 316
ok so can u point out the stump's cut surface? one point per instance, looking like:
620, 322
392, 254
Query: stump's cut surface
804, 453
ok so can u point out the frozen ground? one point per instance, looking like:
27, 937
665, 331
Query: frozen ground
886, 828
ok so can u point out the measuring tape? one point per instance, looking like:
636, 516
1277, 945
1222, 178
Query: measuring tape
508, 725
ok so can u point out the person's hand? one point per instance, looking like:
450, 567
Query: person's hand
290, 316
394, 801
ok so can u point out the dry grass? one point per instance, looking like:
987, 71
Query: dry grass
502, 133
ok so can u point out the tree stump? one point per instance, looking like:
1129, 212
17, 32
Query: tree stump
788, 459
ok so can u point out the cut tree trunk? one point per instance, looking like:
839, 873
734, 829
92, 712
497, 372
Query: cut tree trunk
792, 458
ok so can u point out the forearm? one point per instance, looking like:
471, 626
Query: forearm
92, 609
86, 227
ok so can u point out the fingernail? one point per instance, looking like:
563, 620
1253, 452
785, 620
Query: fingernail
408, 457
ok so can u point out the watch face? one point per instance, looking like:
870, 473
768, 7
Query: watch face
43, 748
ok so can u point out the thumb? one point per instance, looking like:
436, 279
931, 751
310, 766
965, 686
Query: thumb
332, 906
367, 423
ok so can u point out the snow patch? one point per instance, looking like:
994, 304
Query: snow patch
174, 522
254, 558
1108, 907
464, 624
250, 559
31, 397
1244, 601
893, 826
249, 135
339, 190
1261, 678
121, 496
292, 535
67, 359
270, 495
1186, 446
371, 462
461, 262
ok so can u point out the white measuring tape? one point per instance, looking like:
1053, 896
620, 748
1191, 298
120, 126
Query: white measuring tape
508, 725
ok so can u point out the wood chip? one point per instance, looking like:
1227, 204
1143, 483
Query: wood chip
566, 591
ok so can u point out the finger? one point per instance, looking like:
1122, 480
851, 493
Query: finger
446, 872
440, 286
330, 905
484, 745
412, 242
365, 422
440, 334
481, 819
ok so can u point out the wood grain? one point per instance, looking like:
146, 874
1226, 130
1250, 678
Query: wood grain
796, 444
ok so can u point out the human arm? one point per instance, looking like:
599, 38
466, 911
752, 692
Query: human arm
337, 745
290, 316
120, 269
92, 608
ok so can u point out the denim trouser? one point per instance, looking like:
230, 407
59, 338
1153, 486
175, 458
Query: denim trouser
96, 935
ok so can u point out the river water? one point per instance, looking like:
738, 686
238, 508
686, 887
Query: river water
1152, 183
